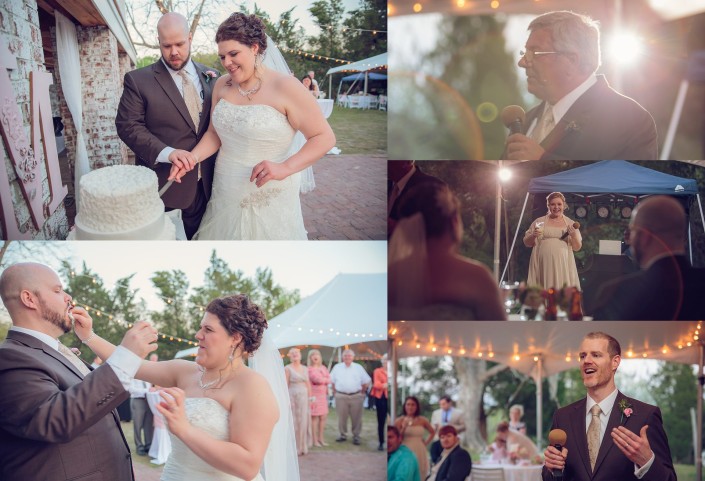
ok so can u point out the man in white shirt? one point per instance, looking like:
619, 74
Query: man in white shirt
350, 382
57, 417
623, 438
581, 117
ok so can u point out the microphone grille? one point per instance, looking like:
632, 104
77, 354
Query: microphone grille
511, 114
557, 436
576, 225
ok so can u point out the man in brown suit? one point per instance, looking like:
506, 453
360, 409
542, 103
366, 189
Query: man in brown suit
581, 116
57, 416
153, 118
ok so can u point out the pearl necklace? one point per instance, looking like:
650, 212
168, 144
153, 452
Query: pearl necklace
250, 92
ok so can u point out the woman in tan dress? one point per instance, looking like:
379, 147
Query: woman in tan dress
300, 395
412, 426
552, 261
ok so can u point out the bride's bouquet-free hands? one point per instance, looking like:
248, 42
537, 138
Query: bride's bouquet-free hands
182, 162
268, 170
172, 408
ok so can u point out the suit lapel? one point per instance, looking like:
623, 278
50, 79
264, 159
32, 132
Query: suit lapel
34, 343
207, 95
163, 78
607, 444
579, 433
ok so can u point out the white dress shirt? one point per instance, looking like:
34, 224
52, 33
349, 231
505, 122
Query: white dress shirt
606, 405
124, 362
563, 105
349, 380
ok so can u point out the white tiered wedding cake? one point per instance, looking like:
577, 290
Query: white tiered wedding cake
121, 202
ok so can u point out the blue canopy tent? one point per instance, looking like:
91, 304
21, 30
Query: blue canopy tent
611, 177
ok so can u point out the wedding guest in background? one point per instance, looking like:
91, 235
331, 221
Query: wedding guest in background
446, 415
380, 394
350, 382
553, 240
142, 418
401, 462
402, 176
510, 446
428, 277
309, 85
314, 82
454, 463
413, 427
320, 379
300, 396
57, 417
516, 412
667, 286
581, 116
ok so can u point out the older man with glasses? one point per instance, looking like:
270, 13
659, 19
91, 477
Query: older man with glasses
581, 116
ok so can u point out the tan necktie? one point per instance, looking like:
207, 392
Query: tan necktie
593, 434
392, 198
73, 358
192, 99
544, 125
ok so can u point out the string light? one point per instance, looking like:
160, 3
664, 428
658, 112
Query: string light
313, 56
345, 29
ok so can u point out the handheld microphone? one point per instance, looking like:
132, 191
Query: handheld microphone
513, 118
576, 225
557, 439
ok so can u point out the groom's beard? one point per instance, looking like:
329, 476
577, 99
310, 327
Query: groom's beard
174, 67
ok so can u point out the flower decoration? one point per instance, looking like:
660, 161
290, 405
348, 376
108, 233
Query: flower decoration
572, 127
208, 75
626, 409
75, 351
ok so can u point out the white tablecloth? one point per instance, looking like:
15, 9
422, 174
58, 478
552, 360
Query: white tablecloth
514, 473
161, 443
326, 106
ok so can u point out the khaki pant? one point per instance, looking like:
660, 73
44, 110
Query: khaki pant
347, 405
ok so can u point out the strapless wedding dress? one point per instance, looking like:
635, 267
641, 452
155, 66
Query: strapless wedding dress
183, 464
238, 209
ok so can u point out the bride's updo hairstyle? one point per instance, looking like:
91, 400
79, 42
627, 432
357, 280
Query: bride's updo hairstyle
239, 315
439, 207
246, 29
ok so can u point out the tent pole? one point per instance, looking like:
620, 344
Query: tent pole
393, 394
539, 403
699, 414
675, 118
516, 233
497, 226
702, 217
690, 244
330, 86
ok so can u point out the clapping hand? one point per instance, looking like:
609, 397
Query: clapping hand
268, 170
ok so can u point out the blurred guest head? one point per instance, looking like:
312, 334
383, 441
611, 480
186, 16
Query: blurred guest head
439, 207
397, 169
657, 227
448, 436
412, 406
393, 439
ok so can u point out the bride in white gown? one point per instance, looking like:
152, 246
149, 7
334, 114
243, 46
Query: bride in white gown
227, 421
257, 109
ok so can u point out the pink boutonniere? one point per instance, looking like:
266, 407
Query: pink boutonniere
572, 127
75, 351
209, 74
626, 409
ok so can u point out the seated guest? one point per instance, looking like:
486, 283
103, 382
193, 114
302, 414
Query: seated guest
666, 287
510, 446
428, 277
401, 462
455, 463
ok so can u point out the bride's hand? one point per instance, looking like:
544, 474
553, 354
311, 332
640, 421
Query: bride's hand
172, 408
268, 170
176, 174
183, 159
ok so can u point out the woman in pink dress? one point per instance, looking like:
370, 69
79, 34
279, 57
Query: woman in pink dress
320, 378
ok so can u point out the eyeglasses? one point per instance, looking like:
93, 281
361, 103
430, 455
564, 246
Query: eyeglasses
530, 55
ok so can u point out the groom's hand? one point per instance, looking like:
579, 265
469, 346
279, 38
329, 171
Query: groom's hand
176, 173
635, 448
182, 159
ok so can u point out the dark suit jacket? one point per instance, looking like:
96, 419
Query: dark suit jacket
612, 464
54, 425
669, 289
456, 467
152, 115
601, 125
417, 178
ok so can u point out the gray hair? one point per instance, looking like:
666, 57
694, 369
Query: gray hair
517, 407
574, 33
348, 351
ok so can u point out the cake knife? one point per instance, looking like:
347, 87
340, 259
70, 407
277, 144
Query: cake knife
165, 188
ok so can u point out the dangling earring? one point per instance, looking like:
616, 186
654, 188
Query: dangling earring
231, 357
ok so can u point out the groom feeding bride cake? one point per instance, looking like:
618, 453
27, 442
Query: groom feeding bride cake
256, 110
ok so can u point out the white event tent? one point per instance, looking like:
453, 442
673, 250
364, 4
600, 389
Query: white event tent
365, 65
540, 349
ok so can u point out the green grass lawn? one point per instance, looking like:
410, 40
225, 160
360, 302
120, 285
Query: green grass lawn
368, 437
685, 472
359, 131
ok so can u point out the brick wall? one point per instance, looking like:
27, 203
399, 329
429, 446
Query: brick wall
19, 28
